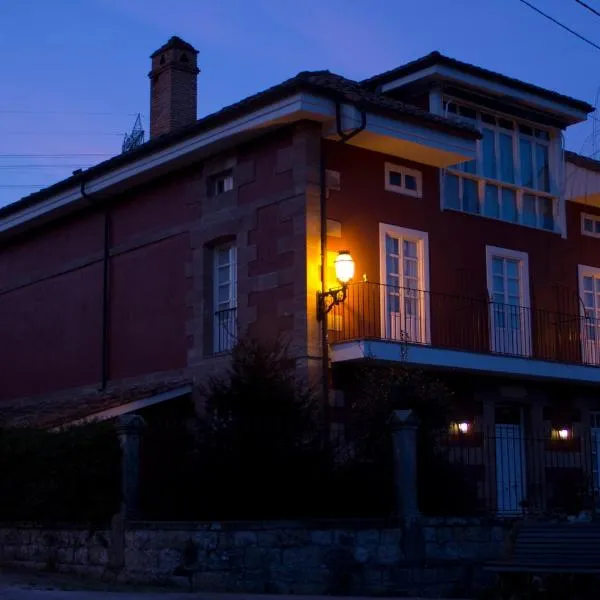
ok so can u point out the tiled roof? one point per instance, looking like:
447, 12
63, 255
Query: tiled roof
437, 58
327, 84
55, 410
582, 161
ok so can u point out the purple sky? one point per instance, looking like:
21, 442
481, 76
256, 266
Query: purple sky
65, 59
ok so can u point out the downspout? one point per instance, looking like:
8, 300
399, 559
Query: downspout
105, 290
344, 137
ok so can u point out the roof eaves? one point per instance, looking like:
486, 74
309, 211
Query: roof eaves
438, 58
585, 162
320, 82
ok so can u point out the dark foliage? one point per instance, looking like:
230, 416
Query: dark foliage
68, 476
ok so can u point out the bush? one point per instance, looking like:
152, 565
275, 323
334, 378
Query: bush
68, 476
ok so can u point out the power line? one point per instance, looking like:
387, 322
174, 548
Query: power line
43, 133
561, 24
45, 166
61, 156
10, 111
591, 9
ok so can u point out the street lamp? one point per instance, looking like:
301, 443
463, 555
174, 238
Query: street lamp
344, 272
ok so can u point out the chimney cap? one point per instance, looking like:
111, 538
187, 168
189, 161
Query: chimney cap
174, 42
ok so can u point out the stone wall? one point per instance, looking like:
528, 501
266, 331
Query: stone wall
441, 556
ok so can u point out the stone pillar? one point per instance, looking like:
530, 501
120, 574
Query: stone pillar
129, 429
404, 425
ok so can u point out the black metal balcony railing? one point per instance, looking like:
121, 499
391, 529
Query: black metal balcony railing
383, 312
225, 330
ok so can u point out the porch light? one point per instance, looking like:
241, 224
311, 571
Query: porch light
344, 272
344, 267
563, 434
460, 428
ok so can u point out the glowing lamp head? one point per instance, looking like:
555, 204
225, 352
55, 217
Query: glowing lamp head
463, 427
344, 267
563, 434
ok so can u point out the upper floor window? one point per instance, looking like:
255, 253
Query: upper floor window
403, 180
225, 297
219, 183
511, 177
590, 225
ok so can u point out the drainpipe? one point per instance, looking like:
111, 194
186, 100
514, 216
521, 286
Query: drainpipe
344, 137
105, 290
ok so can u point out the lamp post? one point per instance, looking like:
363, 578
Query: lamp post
344, 272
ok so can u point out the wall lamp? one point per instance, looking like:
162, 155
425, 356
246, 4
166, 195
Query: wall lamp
344, 272
460, 428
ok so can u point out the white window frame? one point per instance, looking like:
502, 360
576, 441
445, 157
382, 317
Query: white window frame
519, 190
422, 240
523, 259
595, 219
402, 189
590, 352
226, 176
232, 301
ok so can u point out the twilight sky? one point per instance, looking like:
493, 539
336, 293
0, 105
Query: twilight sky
74, 72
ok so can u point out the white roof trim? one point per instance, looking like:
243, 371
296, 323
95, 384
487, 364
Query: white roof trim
292, 108
494, 87
123, 409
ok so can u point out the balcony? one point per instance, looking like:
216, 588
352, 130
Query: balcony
428, 328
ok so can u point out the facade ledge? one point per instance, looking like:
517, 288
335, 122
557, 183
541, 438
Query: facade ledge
428, 356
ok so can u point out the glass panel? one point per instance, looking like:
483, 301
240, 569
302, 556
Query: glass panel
505, 124
410, 268
395, 178
489, 153
526, 129
526, 164
410, 283
512, 268
223, 274
469, 167
513, 287
529, 212
597, 282
451, 199
488, 118
470, 196
588, 284
491, 207
223, 256
588, 225
497, 266
410, 182
391, 264
467, 112
546, 207
507, 165
498, 285
394, 303
509, 206
588, 300
542, 135
541, 166
597, 226
391, 245
223, 293
409, 249
392, 280
410, 307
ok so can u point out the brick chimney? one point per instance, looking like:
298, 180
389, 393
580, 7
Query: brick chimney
173, 87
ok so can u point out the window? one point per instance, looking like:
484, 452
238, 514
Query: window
590, 225
508, 288
510, 179
589, 292
219, 183
225, 297
403, 180
405, 273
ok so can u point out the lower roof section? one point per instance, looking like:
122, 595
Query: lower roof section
420, 355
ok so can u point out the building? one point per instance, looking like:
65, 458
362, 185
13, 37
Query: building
475, 238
